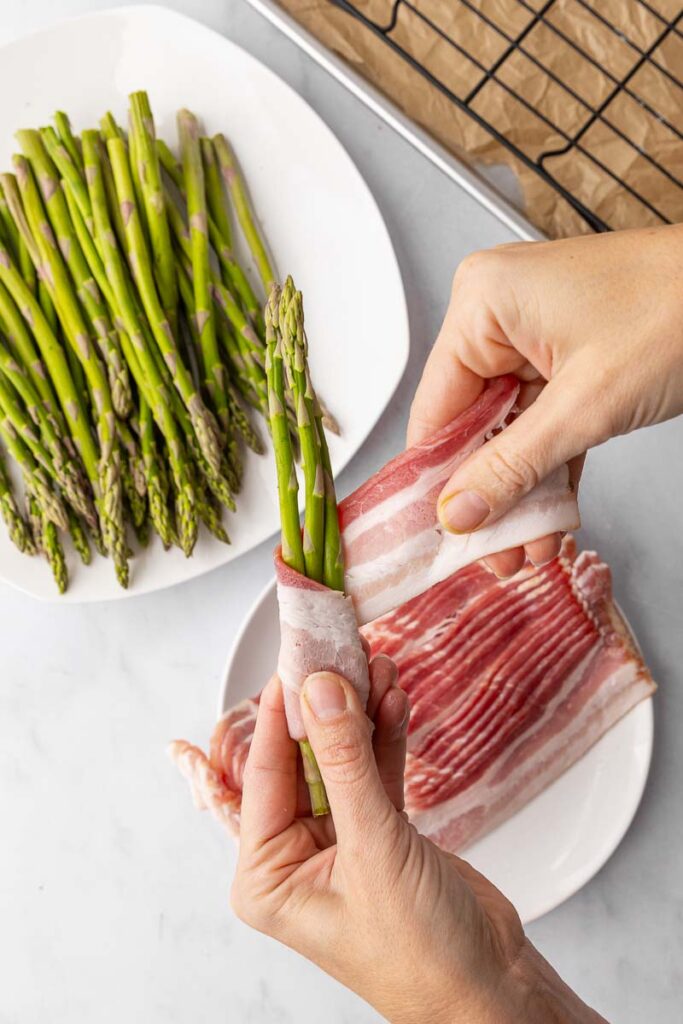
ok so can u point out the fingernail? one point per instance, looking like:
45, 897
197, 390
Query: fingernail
402, 728
539, 564
325, 696
501, 576
406, 719
463, 512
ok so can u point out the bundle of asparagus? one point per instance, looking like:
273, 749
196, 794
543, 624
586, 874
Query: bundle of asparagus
132, 343
316, 553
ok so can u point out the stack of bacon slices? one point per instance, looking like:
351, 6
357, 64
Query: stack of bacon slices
510, 682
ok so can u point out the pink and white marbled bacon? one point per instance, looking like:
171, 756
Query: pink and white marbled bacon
216, 781
510, 683
394, 545
318, 632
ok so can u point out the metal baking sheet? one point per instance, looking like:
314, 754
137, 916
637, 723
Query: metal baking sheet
468, 179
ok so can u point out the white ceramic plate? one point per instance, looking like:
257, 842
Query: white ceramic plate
319, 216
553, 846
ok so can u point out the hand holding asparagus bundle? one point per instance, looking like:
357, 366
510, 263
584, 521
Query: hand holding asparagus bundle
133, 346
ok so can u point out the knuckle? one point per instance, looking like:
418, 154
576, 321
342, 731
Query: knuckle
483, 265
512, 470
474, 266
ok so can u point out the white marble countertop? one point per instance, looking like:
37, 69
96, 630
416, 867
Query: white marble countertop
113, 891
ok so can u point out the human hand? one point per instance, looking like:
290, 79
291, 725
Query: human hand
416, 932
592, 326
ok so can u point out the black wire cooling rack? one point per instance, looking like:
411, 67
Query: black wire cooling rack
613, 134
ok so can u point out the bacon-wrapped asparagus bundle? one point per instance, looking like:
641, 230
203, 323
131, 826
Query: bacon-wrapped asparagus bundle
317, 621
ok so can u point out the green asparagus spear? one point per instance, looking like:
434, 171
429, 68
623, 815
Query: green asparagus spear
237, 188
51, 545
71, 317
35, 478
67, 137
9, 232
246, 355
243, 424
15, 295
247, 342
210, 513
232, 455
132, 475
136, 345
157, 487
214, 375
333, 569
288, 486
22, 406
35, 522
222, 245
202, 420
79, 538
129, 443
18, 530
70, 170
314, 518
215, 196
69, 246
149, 172
27, 250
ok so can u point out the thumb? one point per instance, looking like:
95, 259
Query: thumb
340, 733
494, 478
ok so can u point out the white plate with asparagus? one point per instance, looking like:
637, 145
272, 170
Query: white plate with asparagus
137, 245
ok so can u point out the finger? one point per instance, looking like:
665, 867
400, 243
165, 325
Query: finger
540, 552
383, 675
506, 563
339, 732
529, 392
471, 347
446, 388
532, 383
494, 478
270, 774
389, 742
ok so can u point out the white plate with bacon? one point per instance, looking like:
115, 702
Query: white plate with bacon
560, 837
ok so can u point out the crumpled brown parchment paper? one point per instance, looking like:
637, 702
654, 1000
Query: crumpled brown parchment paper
649, 114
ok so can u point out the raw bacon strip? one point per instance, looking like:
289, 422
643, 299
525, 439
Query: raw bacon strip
216, 781
394, 547
510, 683
318, 632
499, 714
